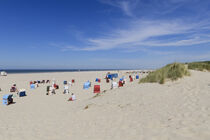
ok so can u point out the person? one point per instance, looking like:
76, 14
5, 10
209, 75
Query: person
48, 90
73, 97
52, 89
124, 81
66, 89
70, 84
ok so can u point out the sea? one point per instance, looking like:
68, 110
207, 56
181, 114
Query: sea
13, 71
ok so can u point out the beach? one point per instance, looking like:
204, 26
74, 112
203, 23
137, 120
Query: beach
178, 110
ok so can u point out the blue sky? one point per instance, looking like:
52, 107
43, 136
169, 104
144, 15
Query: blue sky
103, 33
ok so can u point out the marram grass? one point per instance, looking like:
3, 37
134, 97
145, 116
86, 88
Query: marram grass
201, 66
169, 72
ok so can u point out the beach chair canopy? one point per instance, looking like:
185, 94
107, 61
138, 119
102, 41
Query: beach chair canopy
7, 99
111, 76
7, 96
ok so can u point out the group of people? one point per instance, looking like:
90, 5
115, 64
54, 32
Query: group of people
52, 89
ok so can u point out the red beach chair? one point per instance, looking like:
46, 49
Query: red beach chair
96, 89
72, 80
120, 84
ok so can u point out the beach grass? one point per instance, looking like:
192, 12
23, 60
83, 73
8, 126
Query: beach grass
201, 66
172, 72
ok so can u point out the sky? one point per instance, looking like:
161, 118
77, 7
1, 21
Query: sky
102, 34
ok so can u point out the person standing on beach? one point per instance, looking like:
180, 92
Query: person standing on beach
66, 89
52, 89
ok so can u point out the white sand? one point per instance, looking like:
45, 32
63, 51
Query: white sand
174, 111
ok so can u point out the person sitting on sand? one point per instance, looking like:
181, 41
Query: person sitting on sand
66, 89
73, 97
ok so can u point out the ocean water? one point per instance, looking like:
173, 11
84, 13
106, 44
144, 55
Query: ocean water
50, 70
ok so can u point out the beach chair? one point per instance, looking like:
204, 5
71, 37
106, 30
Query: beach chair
120, 84
137, 76
56, 86
115, 75
98, 80
7, 99
131, 79
22, 92
32, 86
86, 85
13, 89
65, 82
96, 89
73, 81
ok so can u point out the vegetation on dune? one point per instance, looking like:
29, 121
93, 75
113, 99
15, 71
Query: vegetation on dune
201, 66
169, 72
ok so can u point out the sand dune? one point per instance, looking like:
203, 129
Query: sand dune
176, 110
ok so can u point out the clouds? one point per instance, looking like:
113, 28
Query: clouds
159, 29
126, 6
152, 33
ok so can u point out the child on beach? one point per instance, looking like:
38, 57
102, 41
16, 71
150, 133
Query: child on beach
73, 97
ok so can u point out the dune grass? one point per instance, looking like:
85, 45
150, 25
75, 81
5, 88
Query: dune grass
201, 66
169, 72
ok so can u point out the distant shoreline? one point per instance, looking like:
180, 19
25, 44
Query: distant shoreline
24, 71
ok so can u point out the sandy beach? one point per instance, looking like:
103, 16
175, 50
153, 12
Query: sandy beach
177, 110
